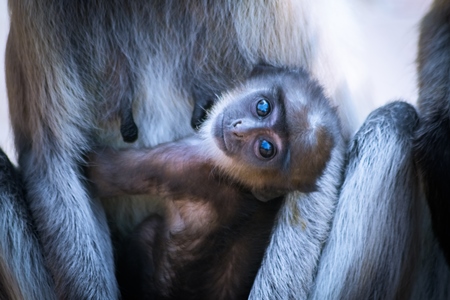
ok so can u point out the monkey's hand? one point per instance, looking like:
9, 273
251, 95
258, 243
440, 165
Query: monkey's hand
125, 172
104, 173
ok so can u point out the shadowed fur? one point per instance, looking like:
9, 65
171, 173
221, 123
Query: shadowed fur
432, 141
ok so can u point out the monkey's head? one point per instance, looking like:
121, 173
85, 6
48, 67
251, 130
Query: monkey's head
275, 133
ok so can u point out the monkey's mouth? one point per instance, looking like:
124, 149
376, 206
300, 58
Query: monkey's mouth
219, 137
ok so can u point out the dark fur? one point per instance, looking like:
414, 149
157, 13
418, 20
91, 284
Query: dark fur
237, 246
432, 142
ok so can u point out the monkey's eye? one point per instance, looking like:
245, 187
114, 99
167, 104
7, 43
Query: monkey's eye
266, 149
263, 108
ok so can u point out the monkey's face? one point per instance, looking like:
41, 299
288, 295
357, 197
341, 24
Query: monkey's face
276, 132
252, 130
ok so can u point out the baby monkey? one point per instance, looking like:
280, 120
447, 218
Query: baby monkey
223, 187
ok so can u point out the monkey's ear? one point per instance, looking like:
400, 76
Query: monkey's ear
267, 194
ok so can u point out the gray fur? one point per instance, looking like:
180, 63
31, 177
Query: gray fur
21, 273
380, 246
71, 66
303, 226
377, 234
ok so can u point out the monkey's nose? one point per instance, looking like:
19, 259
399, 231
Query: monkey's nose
236, 123
238, 128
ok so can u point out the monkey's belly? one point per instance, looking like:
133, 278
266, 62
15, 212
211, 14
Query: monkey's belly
124, 213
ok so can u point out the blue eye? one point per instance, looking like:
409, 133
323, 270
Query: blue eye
266, 149
263, 108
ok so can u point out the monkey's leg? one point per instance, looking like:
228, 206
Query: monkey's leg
378, 244
136, 262
23, 274
432, 143
71, 227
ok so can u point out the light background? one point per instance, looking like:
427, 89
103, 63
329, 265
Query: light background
389, 28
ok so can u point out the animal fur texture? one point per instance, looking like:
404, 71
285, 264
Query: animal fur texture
72, 67
432, 141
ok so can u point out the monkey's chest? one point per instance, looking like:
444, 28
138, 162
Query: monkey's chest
207, 256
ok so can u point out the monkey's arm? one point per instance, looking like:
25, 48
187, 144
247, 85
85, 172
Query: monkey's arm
176, 167
381, 228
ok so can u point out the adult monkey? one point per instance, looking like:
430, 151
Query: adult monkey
76, 71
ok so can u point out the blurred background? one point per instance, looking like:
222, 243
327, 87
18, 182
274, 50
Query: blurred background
389, 29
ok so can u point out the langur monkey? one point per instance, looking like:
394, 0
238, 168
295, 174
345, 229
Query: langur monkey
272, 135
82, 75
